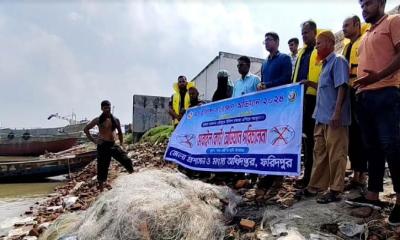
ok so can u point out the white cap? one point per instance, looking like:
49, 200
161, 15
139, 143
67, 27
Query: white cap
223, 73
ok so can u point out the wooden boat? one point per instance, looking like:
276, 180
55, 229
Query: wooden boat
34, 142
41, 167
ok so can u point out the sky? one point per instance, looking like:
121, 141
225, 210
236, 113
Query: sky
59, 56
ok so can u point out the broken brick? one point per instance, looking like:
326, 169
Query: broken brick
247, 224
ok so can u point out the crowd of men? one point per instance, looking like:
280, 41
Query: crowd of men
351, 104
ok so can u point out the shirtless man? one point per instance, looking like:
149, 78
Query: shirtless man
106, 147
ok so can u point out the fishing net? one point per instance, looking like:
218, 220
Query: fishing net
306, 216
159, 204
61, 227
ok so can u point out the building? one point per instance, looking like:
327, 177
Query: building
148, 112
206, 80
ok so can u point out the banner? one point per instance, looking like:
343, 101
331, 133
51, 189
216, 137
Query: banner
256, 133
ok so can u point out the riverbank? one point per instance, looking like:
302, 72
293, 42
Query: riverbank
17, 198
78, 193
258, 215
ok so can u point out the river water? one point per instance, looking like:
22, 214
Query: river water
16, 198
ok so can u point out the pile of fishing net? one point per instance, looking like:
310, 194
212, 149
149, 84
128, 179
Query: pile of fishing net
307, 218
159, 204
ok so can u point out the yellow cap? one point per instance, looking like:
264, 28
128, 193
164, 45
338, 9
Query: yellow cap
327, 34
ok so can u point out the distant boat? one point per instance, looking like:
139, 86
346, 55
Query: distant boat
34, 142
32, 168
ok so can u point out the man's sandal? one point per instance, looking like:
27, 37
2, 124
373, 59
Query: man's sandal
305, 193
329, 197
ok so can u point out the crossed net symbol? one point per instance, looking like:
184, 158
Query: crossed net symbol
280, 135
188, 138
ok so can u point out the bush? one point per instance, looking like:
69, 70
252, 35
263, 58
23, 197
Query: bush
158, 134
128, 138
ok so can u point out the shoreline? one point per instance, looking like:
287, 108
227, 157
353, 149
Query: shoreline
78, 194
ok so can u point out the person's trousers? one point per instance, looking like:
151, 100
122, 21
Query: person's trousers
330, 157
378, 112
357, 155
308, 129
266, 182
105, 151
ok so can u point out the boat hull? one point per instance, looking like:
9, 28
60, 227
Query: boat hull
35, 147
35, 142
23, 170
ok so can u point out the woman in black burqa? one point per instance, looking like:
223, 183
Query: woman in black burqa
224, 90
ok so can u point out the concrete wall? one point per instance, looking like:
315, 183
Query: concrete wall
148, 112
211, 80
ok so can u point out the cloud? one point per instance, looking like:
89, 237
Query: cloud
68, 56
196, 25
74, 17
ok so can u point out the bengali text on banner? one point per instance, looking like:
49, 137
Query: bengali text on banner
256, 133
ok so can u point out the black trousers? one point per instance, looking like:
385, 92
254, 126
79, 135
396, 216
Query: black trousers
105, 151
356, 146
378, 112
267, 182
308, 130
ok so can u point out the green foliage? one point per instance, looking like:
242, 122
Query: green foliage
128, 138
158, 134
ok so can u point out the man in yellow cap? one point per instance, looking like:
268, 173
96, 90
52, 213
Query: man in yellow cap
332, 118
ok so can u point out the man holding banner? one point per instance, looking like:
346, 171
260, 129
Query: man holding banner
257, 133
275, 71
180, 100
308, 69
248, 82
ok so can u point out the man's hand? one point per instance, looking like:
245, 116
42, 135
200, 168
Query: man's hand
89, 126
261, 86
371, 77
173, 114
309, 83
123, 146
97, 141
180, 116
305, 82
335, 120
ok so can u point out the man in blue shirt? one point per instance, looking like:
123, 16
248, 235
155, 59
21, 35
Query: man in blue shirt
248, 82
332, 118
277, 68
275, 71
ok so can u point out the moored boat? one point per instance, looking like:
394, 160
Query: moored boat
34, 142
25, 169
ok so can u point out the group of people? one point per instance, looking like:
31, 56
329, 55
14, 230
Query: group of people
351, 107
351, 103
